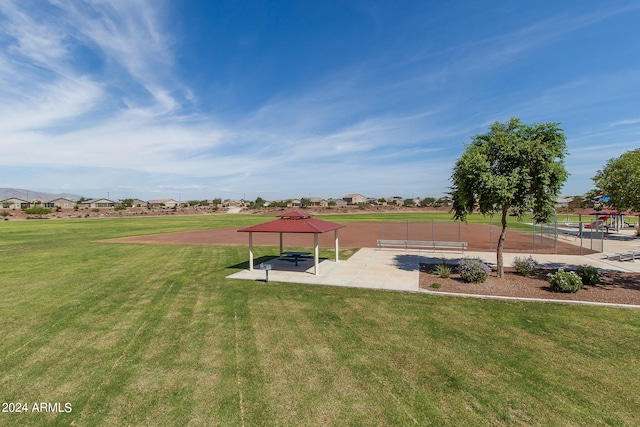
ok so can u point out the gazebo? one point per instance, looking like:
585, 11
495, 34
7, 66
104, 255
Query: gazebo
294, 222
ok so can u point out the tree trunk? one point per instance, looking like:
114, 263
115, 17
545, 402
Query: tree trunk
499, 261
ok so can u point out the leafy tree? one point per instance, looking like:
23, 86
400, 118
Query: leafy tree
408, 202
127, 203
37, 210
305, 203
427, 201
280, 204
515, 167
258, 204
620, 179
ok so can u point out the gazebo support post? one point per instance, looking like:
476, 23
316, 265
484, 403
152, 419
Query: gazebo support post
335, 236
250, 251
281, 246
315, 253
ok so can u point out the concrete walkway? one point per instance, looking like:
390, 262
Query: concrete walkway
367, 268
399, 270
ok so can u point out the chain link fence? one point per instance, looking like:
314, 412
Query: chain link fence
587, 234
584, 237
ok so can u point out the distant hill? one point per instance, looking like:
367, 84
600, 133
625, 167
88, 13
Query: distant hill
28, 195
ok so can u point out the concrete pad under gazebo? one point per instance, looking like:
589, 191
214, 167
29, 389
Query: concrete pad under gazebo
295, 222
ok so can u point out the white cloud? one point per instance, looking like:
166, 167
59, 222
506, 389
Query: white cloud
49, 104
124, 117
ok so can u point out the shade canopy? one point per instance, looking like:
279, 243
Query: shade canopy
294, 222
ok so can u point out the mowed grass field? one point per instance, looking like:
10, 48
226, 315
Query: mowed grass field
131, 334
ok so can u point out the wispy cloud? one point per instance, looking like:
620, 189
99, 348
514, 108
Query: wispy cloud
91, 87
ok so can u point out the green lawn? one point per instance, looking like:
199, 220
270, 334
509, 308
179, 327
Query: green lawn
155, 335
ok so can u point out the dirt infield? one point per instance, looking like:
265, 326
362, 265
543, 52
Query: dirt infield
365, 234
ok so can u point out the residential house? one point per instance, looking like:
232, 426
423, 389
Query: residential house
337, 202
38, 202
137, 203
318, 201
97, 203
354, 199
167, 203
14, 203
233, 203
395, 200
62, 203
564, 203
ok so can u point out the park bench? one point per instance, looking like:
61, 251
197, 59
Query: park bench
623, 256
422, 244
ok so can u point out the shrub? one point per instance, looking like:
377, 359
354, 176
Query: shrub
525, 266
442, 270
436, 285
564, 281
590, 275
473, 270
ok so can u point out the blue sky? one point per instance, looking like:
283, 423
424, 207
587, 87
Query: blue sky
278, 99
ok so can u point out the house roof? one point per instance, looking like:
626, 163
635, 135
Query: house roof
96, 201
163, 201
294, 222
61, 198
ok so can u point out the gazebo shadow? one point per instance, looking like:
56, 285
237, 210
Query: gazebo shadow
260, 260
280, 264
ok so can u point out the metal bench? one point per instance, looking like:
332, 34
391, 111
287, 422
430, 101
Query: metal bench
422, 244
623, 256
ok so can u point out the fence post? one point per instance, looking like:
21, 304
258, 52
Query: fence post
534, 237
555, 239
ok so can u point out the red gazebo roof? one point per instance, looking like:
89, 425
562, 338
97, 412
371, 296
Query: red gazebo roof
294, 222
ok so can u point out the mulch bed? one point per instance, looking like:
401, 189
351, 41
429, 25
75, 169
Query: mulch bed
615, 287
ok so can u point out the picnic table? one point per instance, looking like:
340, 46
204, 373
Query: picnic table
295, 256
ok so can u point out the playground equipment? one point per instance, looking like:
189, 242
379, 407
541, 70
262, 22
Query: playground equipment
598, 224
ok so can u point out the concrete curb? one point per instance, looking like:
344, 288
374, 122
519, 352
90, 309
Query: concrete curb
541, 300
